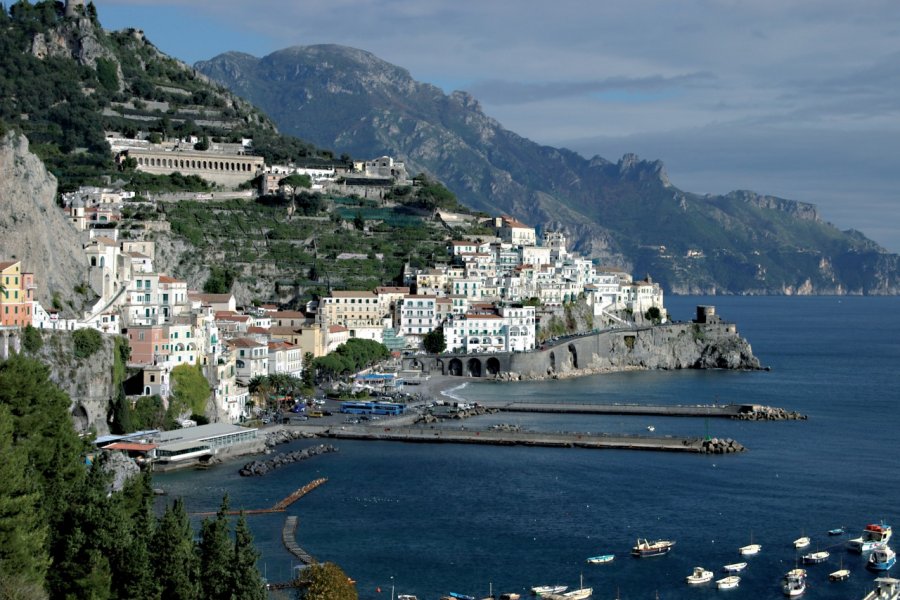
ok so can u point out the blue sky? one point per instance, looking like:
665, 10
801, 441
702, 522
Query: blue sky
798, 98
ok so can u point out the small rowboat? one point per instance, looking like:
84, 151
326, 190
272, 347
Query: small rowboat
603, 558
735, 568
728, 583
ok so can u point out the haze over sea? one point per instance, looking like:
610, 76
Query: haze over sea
441, 518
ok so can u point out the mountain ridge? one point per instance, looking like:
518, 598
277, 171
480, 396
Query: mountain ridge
625, 213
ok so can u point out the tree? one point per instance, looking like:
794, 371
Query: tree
358, 222
216, 554
654, 315
248, 585
23, 531
296, 182
190, 390
31, 339
434, 341
326, 581
175, 563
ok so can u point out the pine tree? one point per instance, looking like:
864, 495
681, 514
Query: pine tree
215, 556
175, 563
132, 569
247, 583
23, 533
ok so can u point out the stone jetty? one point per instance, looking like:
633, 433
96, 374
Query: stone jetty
756, 412
721, 446
261, 467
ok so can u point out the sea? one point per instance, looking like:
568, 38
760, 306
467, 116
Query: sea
432, 519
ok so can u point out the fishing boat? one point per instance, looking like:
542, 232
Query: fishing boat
886, 588
728, 583
794, 583
814, 558
541, 590
645, 548
873, 536
601, 559
801, 542
735, 568
700, 575
882, 559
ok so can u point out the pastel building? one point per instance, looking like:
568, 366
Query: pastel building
17, 297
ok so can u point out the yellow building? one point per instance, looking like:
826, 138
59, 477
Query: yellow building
17, 297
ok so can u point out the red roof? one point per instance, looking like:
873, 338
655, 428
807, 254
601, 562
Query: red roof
132, 446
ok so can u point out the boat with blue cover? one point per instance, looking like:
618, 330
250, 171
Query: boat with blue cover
882, 559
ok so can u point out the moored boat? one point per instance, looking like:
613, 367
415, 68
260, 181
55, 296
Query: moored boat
406, 597
837, 531
801, 542
461, 596
886, 588
814, 558
873, 536
542, 590
794, 583
700, 575
603, 558
882, 559
750, 549
735, 567
580, 594
839, 575
510, 596
728, 583
645, 548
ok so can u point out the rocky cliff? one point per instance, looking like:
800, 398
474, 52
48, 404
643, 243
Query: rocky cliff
32, 228
673, 346
89, 381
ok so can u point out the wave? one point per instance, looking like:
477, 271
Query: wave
450, 393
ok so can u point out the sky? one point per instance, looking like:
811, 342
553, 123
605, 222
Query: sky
794, 98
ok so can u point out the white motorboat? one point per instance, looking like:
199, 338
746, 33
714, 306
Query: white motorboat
728, 583
700, 575
581, 593
886, 588
735, 568
839, 575
794, 582
802, 542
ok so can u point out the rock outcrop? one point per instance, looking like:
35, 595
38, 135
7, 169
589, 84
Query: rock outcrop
32, 227
261, 467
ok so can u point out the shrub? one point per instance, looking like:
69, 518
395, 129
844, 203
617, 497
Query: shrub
86, 342
32, 340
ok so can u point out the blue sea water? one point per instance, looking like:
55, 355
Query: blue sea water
431, 519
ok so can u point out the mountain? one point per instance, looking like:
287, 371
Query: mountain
624, 213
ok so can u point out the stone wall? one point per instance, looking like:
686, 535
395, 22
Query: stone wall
672, 346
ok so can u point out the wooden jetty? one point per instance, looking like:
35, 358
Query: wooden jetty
289, 539
280, 506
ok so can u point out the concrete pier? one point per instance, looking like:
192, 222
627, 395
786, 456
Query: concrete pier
520, 438
728, 411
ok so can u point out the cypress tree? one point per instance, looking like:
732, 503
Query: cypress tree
216, 553
247, 583
175, 563
23, 532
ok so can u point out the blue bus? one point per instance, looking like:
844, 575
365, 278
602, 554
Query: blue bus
372, 408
